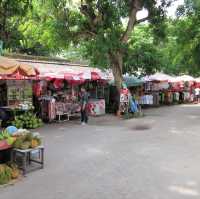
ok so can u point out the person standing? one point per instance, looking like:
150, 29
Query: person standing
84, 106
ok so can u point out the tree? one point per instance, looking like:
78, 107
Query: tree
11, 11
183, 41
39, 32
189, 44
143, 56
106, 27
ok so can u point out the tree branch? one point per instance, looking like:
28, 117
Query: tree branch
88, 11
84, 34
135, 7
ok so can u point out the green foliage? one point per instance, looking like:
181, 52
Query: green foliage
11, 13
94, 31
142, 56
99, 27
183, 46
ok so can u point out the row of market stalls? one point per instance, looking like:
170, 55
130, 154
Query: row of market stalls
53, 89
160, 89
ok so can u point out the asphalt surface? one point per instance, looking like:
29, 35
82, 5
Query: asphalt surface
155, 157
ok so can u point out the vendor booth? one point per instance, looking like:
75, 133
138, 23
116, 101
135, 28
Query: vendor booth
131, 92
58, 89
16, 87
156, 90
15, 98
182, 87
164, 89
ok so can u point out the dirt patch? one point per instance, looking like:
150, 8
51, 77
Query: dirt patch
142, 127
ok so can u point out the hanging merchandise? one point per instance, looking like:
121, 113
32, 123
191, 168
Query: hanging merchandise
156, 99
146, 100
37, 89
48, 112
133, 106
124, 100
161, 97
58, 84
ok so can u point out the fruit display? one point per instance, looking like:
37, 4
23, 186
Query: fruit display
28, 120
27, 141
22, 139
5, 174
8, 172
5, 136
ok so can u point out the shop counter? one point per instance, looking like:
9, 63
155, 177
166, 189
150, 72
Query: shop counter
96, 107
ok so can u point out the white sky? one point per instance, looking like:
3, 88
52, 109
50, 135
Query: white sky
171, 10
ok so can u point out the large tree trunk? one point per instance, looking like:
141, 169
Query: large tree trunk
116, 60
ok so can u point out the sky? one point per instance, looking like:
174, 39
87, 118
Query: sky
171, 10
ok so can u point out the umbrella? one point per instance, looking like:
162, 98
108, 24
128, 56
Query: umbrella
132, 81
9, 67
185, 78
197, 80
157, 77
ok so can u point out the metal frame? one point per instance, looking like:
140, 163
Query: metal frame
27, 158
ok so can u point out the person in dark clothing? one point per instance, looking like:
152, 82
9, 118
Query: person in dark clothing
84, 106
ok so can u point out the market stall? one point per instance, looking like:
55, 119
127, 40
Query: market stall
15, 100
16, 87
58, 89
156, 90
183, 86
135, 86
132, 90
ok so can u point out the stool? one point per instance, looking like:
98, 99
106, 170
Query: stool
27, 158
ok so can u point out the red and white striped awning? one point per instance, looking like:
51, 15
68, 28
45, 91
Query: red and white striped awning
69, 72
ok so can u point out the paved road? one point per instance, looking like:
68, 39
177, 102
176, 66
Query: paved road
156, 157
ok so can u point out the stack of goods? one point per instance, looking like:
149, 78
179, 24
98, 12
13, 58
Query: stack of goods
8, 172
48, 108
20, 139
176, 96
186, 96
28, 120
26, 140
6, 140
146, 100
